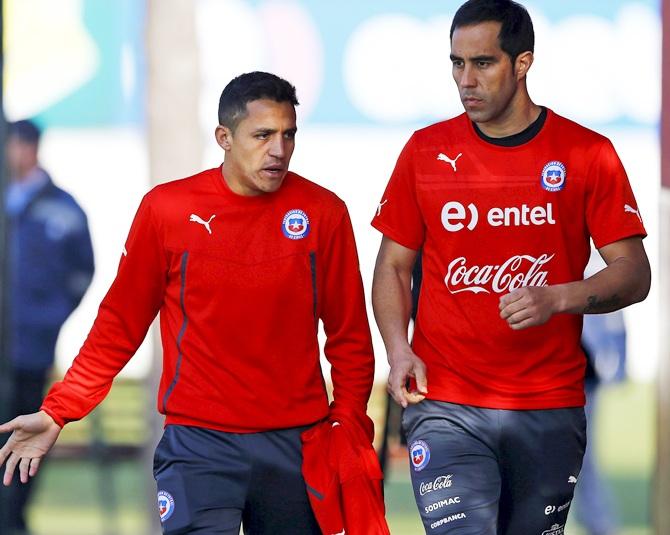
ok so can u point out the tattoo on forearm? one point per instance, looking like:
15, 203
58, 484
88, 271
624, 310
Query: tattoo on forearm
605, 305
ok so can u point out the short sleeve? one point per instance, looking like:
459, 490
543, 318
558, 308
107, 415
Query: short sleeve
398, 215
612, 213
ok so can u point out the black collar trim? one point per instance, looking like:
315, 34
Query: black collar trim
516, 139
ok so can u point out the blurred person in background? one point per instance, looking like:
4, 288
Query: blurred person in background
241, 261
50, 267
502, 201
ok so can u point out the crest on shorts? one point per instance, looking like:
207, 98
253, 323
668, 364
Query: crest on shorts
165, 505
419, 455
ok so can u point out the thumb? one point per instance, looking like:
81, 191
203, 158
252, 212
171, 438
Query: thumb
9, 426
420, 378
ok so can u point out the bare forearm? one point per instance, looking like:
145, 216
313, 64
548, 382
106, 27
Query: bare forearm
392, 305
623, 282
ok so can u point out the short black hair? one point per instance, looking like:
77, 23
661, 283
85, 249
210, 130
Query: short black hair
25, 130
249, 87
516, 32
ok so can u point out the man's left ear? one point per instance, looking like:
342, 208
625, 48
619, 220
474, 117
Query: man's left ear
522, 64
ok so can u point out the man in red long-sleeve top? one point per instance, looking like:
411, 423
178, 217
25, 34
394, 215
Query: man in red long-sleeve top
242, 262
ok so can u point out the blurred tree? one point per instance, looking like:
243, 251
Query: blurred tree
662, 490
175, 146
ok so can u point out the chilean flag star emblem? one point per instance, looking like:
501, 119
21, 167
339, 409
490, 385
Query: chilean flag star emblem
419, 455
295, 224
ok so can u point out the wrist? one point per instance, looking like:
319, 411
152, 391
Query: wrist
49, 419
559, 298
399, 353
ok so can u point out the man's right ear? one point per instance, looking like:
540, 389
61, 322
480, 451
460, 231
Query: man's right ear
224, 136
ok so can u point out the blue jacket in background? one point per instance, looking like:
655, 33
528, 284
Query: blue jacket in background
50, 266
604, 339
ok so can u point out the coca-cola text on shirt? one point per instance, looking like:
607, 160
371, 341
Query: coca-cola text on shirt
515, 272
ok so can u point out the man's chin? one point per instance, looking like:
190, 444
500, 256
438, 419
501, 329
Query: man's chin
271, 185
477, 116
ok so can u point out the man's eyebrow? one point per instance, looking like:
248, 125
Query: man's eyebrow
271, 131
483, 57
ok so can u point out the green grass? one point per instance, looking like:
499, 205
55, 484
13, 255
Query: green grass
77, 497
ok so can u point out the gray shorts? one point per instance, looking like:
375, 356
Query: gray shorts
209, 482
479, 471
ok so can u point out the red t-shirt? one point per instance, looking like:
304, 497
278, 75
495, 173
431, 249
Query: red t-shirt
240, 283
491, 219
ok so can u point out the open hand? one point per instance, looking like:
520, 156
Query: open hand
31, 439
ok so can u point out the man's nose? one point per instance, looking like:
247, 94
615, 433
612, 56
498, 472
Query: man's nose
468, 78
278, 147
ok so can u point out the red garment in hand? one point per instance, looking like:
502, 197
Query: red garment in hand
343, 477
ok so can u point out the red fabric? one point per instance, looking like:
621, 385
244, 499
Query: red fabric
239, 309
489, 224
343, 477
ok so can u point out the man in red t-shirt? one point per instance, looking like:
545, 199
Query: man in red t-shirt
241, 261
502, 200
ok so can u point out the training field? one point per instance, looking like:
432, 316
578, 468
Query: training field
80, 498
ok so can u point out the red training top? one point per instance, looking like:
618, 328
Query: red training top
240, 283
491, 219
